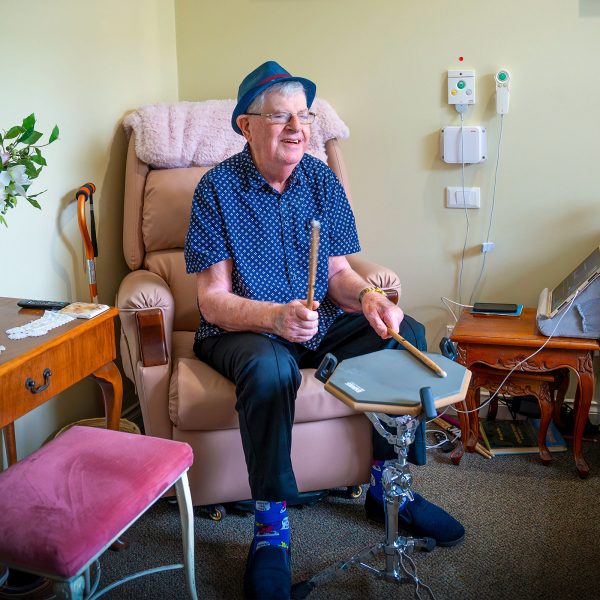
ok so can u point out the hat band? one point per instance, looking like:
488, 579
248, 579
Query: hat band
272, 77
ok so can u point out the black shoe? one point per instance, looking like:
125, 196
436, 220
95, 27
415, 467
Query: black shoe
268, 574
420, 518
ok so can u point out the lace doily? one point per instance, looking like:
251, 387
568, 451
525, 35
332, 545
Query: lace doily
38, 327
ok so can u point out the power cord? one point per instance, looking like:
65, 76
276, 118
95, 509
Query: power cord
487, 239
445, 303
462, 159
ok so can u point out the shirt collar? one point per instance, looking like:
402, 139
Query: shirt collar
255, 178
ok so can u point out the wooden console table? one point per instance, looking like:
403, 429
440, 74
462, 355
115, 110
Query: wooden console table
60, 358
501, 342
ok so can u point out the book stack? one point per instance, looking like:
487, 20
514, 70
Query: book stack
518, 437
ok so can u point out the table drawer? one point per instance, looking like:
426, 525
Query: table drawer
68, 362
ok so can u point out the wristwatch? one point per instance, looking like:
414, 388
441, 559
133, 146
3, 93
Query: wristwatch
366, 290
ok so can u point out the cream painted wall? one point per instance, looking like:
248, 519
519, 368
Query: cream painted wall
383, 65
82, 65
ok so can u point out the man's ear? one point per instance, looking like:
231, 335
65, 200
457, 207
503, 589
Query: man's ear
243, 122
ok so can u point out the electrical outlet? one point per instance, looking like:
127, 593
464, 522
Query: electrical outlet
449, 330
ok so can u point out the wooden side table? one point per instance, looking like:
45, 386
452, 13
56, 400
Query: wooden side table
54, 362
501, 342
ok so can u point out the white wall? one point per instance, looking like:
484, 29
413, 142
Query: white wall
83, 66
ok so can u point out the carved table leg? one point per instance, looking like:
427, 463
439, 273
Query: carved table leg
493, 409
458, 452
473, 400
561, 386
111, 384
545, 402
585, 393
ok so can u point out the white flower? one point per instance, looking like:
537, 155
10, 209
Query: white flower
18, 177
4, 156
3, 195
17, 174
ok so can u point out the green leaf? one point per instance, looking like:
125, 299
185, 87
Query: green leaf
33, 202
3, 221
39, 160
54, 134
37, 151
30, 137
39, 193
28, 122
13, 132
30, 169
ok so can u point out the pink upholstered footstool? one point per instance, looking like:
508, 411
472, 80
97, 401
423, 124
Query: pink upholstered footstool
65, 504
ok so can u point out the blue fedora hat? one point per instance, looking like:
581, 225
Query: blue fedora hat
259, 80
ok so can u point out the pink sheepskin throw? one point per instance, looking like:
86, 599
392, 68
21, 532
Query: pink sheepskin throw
199, 134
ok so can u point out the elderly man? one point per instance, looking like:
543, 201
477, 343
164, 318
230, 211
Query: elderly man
248, 242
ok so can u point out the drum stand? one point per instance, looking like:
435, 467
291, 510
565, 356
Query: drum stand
397, 487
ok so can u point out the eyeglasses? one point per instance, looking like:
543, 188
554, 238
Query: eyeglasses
281, 118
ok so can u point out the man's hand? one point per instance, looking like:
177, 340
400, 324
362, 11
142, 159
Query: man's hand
294, 322
381, 313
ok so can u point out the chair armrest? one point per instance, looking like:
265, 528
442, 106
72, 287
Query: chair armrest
146, 308
377, 275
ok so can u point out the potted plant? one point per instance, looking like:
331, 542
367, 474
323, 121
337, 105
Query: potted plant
21, 162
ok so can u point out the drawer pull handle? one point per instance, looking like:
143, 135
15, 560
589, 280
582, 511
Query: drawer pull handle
30, 383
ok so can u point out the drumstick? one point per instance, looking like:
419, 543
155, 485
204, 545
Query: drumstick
416, 352
314, 259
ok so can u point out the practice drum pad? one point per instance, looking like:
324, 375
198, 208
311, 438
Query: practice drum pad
390, 381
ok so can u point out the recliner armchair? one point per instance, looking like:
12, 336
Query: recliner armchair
182, 398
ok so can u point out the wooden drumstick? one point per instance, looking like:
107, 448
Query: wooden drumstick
416, 352
314, 259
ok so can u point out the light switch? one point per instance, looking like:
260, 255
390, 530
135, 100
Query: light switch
455, 198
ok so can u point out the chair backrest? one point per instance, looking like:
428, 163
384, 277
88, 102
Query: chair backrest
156, 216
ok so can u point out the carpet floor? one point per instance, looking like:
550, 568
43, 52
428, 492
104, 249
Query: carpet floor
533, 532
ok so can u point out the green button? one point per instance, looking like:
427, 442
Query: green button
461, 84
502, 76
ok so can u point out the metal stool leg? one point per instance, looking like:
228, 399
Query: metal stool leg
69, 590
186, 513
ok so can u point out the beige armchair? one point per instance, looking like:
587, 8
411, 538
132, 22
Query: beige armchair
182, 398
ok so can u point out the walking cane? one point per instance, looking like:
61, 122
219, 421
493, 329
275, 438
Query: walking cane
86, 192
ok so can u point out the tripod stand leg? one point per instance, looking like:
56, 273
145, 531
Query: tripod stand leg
304, 588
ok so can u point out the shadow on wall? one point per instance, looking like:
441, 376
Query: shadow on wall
110, 264
589, 8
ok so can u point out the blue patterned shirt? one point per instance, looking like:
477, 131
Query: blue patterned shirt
237, 215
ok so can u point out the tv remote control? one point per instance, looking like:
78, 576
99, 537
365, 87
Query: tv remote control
43, 304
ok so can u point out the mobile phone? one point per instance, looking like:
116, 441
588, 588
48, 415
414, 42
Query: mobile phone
494, 307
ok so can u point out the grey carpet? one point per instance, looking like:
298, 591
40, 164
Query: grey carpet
532, 532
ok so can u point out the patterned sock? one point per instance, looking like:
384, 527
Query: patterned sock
271, 525
376, 488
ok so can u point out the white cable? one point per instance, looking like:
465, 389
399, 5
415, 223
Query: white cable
437, 432
462, 156
445, 303
519, 363
487, 239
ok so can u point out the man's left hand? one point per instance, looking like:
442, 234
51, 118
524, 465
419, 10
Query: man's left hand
381, 314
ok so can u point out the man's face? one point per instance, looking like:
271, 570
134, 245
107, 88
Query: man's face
276, 146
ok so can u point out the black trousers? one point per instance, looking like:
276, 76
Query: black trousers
266, 373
